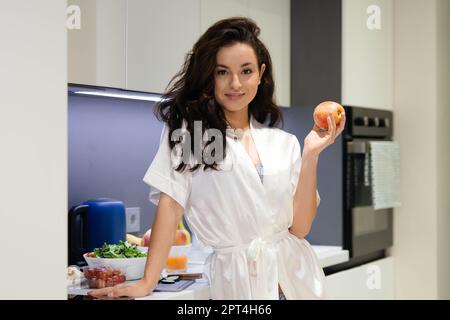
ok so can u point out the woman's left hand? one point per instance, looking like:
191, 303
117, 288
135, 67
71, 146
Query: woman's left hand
316, 141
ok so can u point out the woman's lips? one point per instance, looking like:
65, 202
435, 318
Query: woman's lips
234, 96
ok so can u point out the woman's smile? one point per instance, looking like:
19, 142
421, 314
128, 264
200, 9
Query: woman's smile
234, 96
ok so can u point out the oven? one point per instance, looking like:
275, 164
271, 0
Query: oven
367, 232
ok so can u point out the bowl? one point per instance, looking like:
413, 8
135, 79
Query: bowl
132, 268
98, 278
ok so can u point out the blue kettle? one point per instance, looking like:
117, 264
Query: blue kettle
93, 223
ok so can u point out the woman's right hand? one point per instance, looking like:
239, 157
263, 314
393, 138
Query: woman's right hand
134, 290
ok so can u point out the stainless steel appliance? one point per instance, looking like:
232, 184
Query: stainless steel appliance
346, 216
366, 231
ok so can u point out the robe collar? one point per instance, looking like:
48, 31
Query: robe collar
238, 133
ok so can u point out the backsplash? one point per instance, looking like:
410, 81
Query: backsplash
111, 144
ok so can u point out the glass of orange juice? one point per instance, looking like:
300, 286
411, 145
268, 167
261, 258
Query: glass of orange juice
178, 259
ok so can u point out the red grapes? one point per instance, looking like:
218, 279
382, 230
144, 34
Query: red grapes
103, 277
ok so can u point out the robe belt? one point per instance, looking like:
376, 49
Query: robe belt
253, 249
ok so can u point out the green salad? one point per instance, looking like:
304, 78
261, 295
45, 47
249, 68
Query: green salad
121, 250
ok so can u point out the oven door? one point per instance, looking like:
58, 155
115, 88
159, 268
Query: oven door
369, 230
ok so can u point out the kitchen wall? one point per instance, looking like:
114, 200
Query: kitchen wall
422, 112
112, 142
33, 140
443, 142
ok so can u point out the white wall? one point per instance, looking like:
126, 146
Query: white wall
421, 109
33, 158
443, 145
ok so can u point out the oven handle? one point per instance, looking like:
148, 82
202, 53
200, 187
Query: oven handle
357, 147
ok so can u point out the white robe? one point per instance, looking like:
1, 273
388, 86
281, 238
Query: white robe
245, 220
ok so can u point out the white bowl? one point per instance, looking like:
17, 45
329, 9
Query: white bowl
133, 268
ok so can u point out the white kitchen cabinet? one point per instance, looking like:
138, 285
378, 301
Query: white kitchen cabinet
371, 281
142, 44
159, 35
97, 50
273, 17
215, 10
367, 53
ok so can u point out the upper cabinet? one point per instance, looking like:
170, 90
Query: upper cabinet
214, 10
97, 47
367, 53
345, 56
159, 35
273, 17
142, 44
315, 52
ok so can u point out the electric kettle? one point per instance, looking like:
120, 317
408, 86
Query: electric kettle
93, 223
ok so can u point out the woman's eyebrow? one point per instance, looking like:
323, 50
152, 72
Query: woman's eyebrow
244, 65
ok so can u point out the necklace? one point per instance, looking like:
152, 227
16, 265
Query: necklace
236, 134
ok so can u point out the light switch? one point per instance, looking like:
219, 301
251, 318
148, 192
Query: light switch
133, 216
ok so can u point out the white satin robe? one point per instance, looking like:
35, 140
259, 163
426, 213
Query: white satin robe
245, 220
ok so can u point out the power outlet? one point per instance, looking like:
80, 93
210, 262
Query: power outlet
133, 216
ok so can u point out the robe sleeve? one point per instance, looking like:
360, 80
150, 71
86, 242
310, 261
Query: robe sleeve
295, 168
161, 176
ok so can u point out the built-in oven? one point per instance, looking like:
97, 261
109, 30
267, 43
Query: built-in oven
367, 230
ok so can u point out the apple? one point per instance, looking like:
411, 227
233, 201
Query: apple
146, 238
182, 237
322, 111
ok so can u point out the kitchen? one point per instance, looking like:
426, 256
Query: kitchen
107, 51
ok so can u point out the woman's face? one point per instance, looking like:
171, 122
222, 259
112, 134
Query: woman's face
236, 77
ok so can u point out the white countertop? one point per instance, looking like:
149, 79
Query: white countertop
327, 256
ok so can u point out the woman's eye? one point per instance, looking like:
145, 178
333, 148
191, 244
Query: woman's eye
223, 72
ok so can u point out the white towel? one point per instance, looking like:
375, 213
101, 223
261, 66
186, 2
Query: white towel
385, 174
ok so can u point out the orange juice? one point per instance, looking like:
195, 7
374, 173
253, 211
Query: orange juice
176, 263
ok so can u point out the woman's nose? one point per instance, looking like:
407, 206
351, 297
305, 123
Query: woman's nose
235, 82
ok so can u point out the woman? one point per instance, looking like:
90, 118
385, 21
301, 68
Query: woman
249, 193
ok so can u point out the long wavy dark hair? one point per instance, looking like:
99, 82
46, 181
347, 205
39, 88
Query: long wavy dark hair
190, 96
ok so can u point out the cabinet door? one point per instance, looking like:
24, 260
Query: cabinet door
215, 10
96, 51
159, 35
367, 53
374, 280
273, 17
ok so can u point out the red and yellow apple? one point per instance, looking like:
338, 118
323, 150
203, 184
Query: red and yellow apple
146, 238
182, 236
322, 111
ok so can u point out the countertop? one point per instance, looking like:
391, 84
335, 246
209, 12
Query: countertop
327, 256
